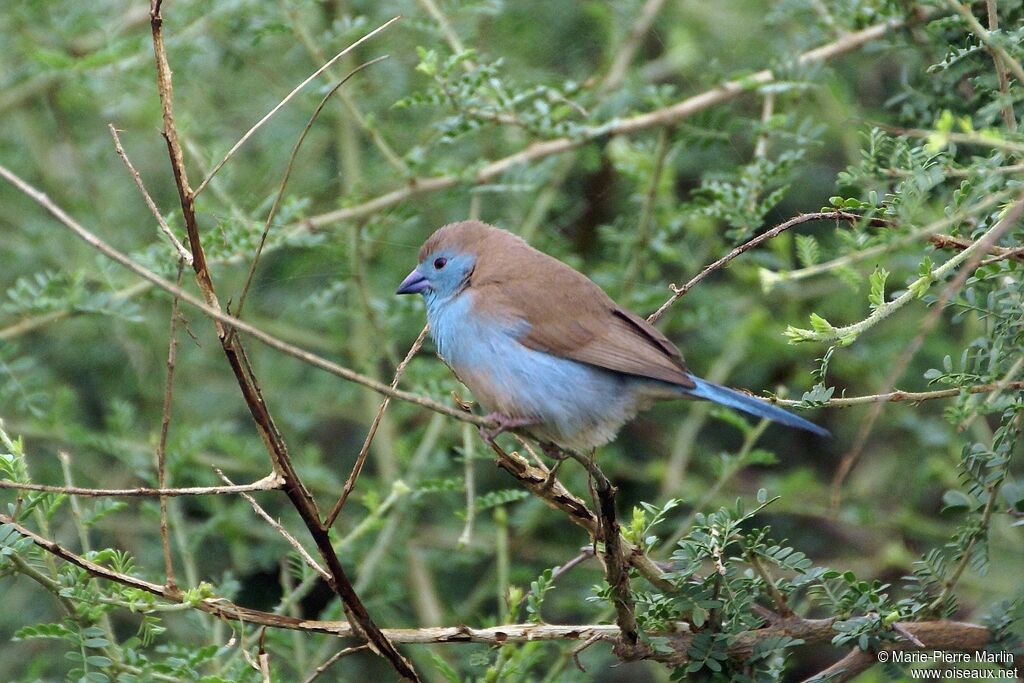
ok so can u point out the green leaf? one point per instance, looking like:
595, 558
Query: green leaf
876, 296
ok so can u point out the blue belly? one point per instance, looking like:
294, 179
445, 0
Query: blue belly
577, 406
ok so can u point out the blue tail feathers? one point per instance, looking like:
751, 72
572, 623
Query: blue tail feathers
749, 404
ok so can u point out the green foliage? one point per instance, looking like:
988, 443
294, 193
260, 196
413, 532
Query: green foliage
909, 132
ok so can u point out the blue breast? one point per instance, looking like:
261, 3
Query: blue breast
578, 406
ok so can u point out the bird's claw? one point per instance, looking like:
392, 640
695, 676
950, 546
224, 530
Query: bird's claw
502, 423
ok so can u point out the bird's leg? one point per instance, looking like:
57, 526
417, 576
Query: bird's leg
503, 423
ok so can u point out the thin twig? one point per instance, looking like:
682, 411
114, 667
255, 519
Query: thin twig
680, 292
165, 424
1009, 120
785, 611
287, 174
357, 467
314, 50
183, 253
767, 109
967, 555
770, 278
643, 236
959, 243
334, 659
292, 541
283, 102
585, 554
972, 139
581, 647
624, 57
898, 396
450, 36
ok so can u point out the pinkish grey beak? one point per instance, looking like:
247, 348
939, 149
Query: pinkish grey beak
414, 283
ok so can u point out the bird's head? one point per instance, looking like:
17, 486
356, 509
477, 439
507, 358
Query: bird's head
441, 274
457, 255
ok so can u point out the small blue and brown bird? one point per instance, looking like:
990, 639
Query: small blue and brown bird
544, 348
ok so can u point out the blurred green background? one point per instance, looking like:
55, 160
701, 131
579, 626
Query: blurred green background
82, 350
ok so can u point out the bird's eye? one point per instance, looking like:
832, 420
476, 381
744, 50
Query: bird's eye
439, 263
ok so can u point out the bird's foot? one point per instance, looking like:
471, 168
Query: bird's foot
502, 423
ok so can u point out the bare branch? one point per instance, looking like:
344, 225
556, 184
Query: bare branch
357, 467
283, 102
334, 659
292, 541
287, 175
271, 482
237, 358
183, 253
679, 292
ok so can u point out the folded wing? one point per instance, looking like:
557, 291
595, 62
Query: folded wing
569, 316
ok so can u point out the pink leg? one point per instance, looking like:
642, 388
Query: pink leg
503, 423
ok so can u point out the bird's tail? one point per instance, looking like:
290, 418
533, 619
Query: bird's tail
749, 404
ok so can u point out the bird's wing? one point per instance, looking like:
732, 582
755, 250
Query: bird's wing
570, 316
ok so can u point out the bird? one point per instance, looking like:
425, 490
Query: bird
545, 349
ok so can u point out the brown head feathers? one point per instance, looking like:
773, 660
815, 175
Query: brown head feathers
474, 237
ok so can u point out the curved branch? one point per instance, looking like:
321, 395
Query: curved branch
679, 292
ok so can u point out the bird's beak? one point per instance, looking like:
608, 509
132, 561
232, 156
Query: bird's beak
414, 283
